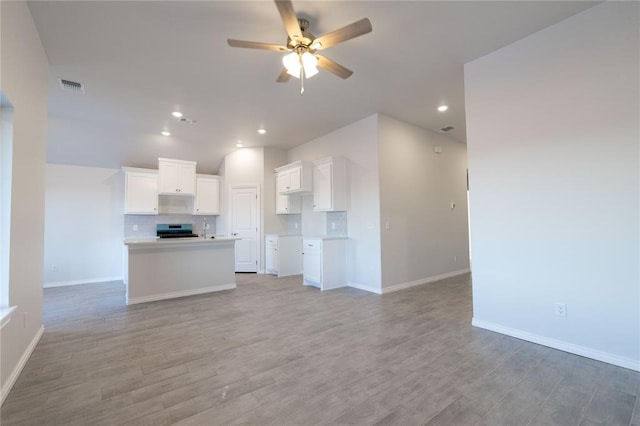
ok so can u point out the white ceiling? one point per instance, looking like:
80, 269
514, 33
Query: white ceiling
139, 61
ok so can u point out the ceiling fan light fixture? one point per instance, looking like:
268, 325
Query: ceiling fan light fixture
293, 61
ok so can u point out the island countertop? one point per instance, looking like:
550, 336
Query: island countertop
157, 269
161, 242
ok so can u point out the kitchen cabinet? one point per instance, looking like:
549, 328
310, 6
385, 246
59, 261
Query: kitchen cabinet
295, 178
176, 177
140, 191
207, 201
330, 185
324, 262
283, 255
288, 204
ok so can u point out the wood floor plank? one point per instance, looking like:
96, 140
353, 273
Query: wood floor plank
275, 352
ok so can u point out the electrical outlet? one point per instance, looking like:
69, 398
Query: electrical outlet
135, 227
387, 225
561, 309
207, 226
333, 225
295, 225
54, 268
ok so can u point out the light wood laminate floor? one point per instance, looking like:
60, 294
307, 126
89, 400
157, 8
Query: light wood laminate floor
273, 352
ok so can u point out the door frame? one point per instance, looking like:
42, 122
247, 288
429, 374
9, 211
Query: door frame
230, 223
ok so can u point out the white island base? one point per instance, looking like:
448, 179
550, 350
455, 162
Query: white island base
166, 269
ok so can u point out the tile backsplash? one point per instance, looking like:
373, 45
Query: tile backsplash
294, 224
337, 223
147, 223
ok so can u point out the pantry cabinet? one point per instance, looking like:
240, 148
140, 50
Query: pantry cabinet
283, 254
324, 262
207, 201
294, 178
176, 177
141, 191
330, 185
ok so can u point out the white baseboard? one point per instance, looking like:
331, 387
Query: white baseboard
364, 287
11, 380
78, 282
631, 364
176, 294
422, 281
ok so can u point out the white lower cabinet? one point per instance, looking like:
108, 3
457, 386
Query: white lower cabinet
283, 255
324, 262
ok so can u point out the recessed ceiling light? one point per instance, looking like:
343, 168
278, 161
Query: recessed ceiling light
177, 114
239, 145
443, 108
165, 133
262, 131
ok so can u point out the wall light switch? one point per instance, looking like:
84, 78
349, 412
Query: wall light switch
333, 225
452, 205
135, 227
387, 225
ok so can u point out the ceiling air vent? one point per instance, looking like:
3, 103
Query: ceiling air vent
447, 129
71, 86
186, 120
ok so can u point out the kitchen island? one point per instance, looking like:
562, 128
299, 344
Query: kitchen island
157, 269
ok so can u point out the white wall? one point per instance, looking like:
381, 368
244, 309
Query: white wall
241, 167
553, 145
83, 225
357, 143
426, 239
273, 223
24, 73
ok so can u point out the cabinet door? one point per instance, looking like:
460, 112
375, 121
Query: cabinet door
282, 204
282, 182
322, 187
295, 180
187, 179
207, 200
169, 177
312, 262
271, 256
141, 193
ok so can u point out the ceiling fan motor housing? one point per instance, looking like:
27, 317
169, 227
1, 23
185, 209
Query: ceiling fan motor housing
306, 40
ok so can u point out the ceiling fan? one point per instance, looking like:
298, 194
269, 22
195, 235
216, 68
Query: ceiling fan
302, 60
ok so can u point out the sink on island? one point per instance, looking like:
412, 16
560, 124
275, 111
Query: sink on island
157, 269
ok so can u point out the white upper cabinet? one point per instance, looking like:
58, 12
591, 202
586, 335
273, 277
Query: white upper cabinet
176, 177
207, 201
330, 185
295, 177
288, 204
141, 191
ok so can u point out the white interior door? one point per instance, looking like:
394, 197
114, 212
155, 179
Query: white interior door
244, 225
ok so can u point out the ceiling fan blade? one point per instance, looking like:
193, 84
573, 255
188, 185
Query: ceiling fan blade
283, 77
333, 67
256, 45
289, 18
354, 30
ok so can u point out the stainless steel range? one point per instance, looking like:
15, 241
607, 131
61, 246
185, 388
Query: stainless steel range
175, 230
